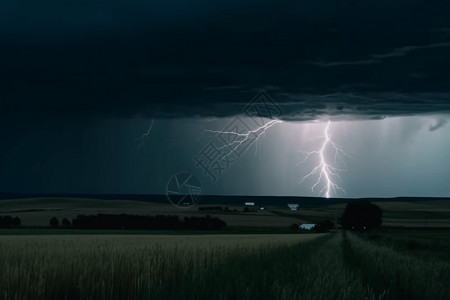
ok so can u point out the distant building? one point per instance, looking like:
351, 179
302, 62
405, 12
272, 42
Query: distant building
249, 204
261, 208
293, 206
307, 226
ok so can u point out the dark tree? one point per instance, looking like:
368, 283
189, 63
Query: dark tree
65, 223
362, 215
16, 222
294, 226
137, 222
324, 226
8, 221
2, 222
54, 222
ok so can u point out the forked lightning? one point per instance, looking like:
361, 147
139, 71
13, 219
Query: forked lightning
324, 171
241, 138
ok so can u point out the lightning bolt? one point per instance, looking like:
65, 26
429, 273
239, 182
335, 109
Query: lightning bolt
324, 170
241, 138
145, 135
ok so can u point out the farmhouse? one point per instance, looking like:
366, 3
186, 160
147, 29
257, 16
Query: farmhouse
307, 226
293, 206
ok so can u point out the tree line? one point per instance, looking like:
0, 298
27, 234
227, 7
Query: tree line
8, 221
137, 222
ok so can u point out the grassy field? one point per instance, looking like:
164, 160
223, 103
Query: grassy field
388, 263
424, 244
343, 265
120, 266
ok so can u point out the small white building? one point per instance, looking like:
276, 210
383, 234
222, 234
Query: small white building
307, 226
249, 204
293, 206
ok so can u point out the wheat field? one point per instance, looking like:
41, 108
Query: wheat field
342, 265
117, 266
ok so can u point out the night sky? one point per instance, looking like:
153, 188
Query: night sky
82, 81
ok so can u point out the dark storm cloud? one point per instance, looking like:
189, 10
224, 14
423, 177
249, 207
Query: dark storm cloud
378, 58
365, 105
71, 59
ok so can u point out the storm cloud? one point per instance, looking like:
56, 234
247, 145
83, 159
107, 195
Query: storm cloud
345, 59
115, 96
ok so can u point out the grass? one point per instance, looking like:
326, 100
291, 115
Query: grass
118, 266
63, 231
270, 261
343, 265
425, 244
401, 274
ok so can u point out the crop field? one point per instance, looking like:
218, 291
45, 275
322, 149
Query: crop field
117, 266
392, 262
342, 265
